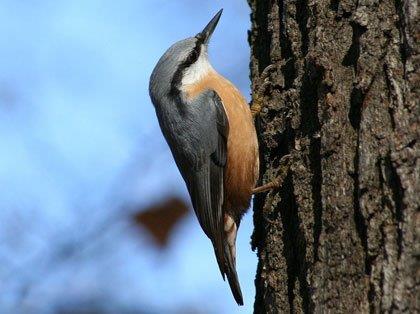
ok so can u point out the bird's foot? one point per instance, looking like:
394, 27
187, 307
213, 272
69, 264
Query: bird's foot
278, 181
258, 96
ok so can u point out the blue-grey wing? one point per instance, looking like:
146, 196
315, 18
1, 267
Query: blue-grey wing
202, 164
197, 133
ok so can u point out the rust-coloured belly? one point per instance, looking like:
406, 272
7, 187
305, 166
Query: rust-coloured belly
242, 167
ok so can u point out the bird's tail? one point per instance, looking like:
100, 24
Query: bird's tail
232, 275
227, 259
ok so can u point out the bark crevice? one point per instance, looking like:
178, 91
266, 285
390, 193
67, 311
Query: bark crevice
294, 251
352, 55
397, 189
302, 16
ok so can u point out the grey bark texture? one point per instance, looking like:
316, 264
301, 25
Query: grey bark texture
342, 233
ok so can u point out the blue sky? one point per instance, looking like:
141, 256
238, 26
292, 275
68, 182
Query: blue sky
79, 141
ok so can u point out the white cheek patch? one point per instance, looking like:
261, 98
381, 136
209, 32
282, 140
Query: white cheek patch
197, 70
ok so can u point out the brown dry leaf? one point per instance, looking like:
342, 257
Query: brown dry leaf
160, 219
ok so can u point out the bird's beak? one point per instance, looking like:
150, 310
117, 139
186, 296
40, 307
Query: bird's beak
208, 30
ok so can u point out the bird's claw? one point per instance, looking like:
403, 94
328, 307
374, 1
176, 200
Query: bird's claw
278, 181
258, 96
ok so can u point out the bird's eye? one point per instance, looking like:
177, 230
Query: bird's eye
193, 55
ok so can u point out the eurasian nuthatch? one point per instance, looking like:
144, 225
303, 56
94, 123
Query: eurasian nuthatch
209, 128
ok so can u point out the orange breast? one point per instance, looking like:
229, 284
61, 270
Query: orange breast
242, 167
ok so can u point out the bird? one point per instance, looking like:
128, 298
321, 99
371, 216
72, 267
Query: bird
209, 128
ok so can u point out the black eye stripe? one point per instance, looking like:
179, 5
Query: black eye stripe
194, 54
191, 58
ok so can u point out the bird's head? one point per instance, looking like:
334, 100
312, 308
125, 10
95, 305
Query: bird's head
186, 61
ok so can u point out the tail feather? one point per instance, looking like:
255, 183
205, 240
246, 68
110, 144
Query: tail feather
226, 259
232, 275
220, 257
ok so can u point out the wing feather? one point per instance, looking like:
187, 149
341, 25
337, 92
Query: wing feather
202, 160
203, 169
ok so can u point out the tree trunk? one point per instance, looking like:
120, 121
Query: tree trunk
342, 233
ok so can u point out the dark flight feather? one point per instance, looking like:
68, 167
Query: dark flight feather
198, 141
208, 204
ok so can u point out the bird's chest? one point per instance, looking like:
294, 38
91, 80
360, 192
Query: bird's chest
233, 102
242, 164
235, 105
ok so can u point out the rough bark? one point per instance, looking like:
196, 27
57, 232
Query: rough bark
342, 233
